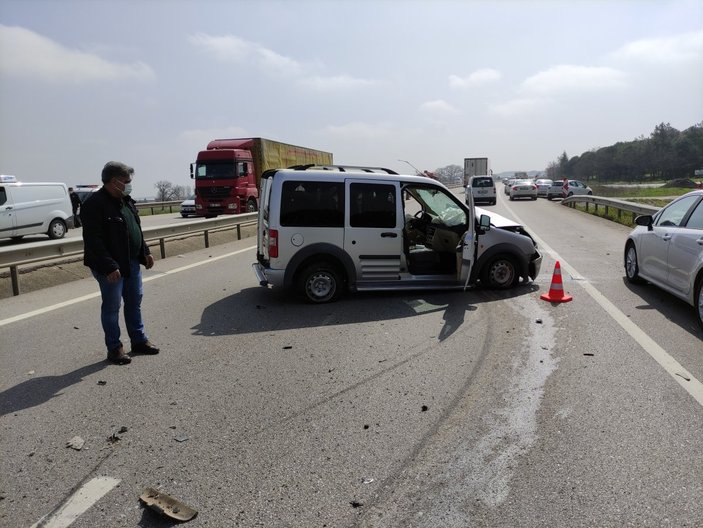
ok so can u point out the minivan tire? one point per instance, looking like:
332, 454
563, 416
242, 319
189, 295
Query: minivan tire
57, 229
320, 283
500, 273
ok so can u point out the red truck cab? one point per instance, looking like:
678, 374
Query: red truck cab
225, 178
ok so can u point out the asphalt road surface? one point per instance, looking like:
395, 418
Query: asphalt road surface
452, 409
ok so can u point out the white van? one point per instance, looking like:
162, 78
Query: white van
482, 188
325, 231
34, 208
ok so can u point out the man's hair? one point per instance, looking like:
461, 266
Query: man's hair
115, 169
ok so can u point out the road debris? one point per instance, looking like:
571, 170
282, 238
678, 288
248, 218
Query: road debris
166, 505
102, 382
181, 438
75, 443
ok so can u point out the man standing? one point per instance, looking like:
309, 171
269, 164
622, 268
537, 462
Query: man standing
114, 248
75, 205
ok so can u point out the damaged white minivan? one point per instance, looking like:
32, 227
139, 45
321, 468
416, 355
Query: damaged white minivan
326, 230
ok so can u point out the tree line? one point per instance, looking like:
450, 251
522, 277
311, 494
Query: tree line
667, 154
167, 192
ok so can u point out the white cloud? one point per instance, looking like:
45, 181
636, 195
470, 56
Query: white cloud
361, 130
438, 106
568, 79
235, 49
519, 107
201, 137
338, 82
479, 77
687, 47
28, 55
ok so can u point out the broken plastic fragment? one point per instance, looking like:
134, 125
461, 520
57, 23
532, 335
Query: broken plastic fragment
75, 443
166, 505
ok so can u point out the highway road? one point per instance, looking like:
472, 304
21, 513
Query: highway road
460, 409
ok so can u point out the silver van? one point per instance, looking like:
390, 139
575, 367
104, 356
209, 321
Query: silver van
325, 231
34, 208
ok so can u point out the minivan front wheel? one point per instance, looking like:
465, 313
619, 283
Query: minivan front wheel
320, 283
57, 229
500, 273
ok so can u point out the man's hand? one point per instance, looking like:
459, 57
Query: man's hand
149, 262
114, 276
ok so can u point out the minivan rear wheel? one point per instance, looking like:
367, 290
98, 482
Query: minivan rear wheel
57, 229
320, 283
500, 273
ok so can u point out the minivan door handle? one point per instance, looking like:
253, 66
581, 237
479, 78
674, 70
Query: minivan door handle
389, 235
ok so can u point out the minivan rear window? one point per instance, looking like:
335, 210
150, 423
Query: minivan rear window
482, 182
312, 204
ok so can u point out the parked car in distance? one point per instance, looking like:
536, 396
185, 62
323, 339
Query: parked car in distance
83, 191
523, 189
483, 189
543, 186
572, 187
554, 190
188, 207
506, 185
666, 249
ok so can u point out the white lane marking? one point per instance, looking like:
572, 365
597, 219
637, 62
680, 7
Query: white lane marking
78, 503
56, 306
684, 378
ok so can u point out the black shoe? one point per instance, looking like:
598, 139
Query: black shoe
118, 356
144, 348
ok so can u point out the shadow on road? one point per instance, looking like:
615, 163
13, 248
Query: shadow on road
265, 310
673, 308
37, 391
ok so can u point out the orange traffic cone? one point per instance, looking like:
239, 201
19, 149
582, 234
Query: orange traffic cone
556, 290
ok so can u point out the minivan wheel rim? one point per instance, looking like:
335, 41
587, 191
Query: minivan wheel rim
631, 262
502, 273
58, 229
321, 286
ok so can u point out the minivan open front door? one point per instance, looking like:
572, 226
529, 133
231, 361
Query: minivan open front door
468, 243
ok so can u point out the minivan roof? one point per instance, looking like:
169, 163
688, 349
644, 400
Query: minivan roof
332, 174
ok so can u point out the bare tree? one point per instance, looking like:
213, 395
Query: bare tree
164, 191
450, 174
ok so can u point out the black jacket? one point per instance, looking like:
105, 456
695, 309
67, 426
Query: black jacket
105, 234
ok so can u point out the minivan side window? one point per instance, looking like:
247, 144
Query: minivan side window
312, 204
3, 196
372, 205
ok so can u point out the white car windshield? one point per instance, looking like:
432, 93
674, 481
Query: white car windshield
441, 206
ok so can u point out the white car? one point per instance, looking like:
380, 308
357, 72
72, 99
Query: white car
666, 249
523, 189
188, 207
543, 186
572, 187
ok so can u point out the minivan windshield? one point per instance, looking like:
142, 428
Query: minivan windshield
439, 205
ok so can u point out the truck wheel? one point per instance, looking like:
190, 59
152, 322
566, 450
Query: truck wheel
251, 205
57, 229
500, 273
320, 283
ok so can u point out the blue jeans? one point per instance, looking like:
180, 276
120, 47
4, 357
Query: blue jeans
129, 289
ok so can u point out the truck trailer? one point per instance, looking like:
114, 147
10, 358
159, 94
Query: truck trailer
228, 173
476, 167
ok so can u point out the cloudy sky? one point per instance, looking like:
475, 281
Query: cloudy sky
150, 82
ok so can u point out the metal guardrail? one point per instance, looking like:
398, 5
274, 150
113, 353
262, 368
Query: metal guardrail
611, 203
12, 257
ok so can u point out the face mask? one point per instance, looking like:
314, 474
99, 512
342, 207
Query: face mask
126, 188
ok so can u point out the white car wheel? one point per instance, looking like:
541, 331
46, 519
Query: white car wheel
632, 270
699, 301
